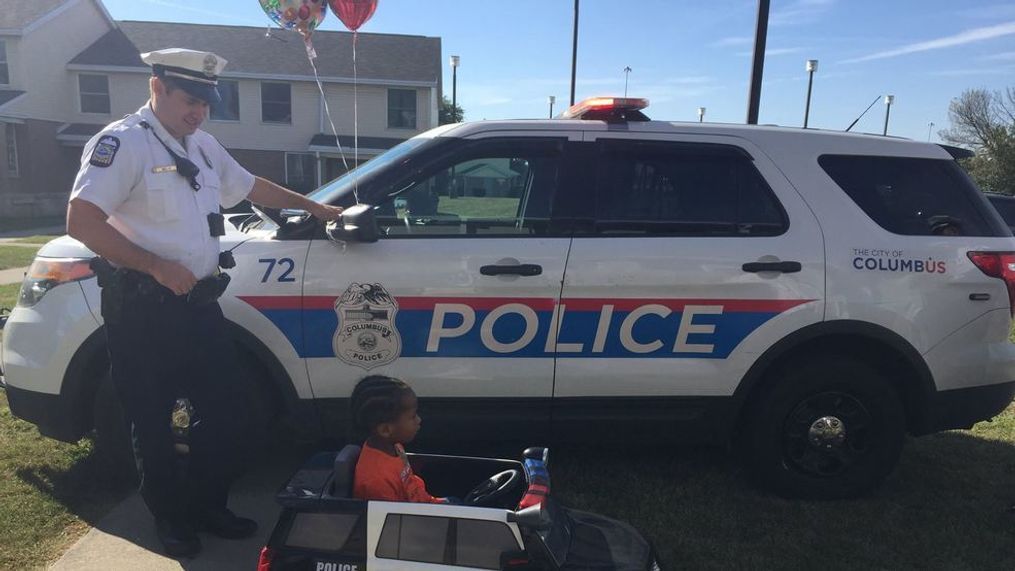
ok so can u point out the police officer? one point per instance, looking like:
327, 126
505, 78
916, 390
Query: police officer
147, 199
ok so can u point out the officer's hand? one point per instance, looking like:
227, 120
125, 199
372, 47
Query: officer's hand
326, 212
174, 276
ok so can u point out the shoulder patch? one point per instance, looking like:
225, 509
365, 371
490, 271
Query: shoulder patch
104, 151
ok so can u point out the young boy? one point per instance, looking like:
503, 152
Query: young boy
385, 410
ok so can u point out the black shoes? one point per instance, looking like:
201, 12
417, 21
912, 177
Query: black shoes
179, 540
226, 524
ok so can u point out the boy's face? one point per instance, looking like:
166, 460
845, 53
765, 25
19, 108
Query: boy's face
405, 427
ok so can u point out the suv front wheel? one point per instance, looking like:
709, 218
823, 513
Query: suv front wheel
824, 429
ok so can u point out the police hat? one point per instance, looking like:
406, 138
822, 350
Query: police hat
195, 72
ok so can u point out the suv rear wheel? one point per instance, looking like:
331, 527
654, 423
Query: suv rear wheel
827, 428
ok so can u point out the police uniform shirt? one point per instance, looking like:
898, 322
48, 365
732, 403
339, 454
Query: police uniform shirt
127, 173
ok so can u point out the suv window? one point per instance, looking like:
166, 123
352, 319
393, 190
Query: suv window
449, 541
913, 197
336, 532
414, 538
682, 189
489, 188
481, 543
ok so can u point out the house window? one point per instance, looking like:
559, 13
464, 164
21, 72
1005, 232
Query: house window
229, 108
94, 91
12, 150
401, 109
276, 103
300, 172
5, 76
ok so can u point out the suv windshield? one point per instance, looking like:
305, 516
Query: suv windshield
335, 190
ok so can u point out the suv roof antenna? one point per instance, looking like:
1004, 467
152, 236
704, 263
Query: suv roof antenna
862, 114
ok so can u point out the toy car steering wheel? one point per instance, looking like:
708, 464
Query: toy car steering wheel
494, 489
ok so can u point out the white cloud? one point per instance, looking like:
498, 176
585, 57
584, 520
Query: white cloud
771, 52
733, 41
800, 12
230, 17
960, 39
972, 72
1003, 56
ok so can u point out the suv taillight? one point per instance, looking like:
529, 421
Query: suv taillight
998, 265
266, 558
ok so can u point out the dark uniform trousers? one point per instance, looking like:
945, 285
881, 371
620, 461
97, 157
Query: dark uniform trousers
162, 348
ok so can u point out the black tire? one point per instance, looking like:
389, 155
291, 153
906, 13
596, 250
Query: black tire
113, 446
825, 428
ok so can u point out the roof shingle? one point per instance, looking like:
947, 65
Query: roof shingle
379, 56
17, 14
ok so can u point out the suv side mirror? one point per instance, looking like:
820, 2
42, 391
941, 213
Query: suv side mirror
532, 517
358, 224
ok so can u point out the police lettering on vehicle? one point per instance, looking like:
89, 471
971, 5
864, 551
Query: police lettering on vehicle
331, 566
372, 328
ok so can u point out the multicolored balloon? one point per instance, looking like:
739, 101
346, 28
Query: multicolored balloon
304, 16
353, 13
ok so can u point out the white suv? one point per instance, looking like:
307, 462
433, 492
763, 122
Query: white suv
810, 295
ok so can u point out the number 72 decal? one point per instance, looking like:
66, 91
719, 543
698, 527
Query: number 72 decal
285, 264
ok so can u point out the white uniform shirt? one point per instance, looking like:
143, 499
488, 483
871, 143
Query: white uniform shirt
127, 173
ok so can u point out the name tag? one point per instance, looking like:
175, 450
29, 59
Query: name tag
168, 168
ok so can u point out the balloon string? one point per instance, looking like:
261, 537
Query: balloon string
334, 131
355, 115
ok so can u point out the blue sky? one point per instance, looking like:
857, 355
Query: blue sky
689, 54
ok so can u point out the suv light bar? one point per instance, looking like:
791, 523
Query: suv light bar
611, 109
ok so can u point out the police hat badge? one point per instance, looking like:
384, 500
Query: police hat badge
366, 335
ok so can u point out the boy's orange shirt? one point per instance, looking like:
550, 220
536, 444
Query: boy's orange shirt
383, 477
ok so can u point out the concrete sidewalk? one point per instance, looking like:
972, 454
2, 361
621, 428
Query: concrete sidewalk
12, 275
125, 538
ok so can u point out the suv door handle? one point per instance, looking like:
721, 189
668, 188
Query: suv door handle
782, 267
512, 270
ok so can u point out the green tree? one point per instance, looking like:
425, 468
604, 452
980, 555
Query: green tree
984, 122
449, 113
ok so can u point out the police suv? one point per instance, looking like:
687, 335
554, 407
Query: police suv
811, 296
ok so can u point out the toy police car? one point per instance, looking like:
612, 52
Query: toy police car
812, 296
508, 521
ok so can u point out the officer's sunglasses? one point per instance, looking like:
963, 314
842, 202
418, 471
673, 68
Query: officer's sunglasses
184, 166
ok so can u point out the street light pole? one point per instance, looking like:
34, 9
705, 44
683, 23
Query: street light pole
889, 99
627, 71
930, 127
454, 82
574, 50
758, 69
701, 114
552, 99
811, 67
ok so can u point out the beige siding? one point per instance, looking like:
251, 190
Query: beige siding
127, 92
40, 59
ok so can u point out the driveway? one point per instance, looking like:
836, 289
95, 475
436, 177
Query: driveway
125, 539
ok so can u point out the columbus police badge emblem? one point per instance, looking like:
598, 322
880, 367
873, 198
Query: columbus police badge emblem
366, 336
104, 151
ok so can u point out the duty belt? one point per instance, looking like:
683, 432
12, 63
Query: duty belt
138, 285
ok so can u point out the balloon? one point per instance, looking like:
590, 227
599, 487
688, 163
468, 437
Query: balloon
353, 13
301, 15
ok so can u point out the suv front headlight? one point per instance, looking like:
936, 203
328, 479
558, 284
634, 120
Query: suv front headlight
46, 273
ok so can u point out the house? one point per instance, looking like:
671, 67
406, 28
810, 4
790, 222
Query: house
71, 69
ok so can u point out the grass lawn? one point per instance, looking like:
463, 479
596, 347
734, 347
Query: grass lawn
48, 491
16, 256
945, 507
9, 295
37, 239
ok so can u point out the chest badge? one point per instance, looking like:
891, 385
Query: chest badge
366, 336
104, 151
204, 156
